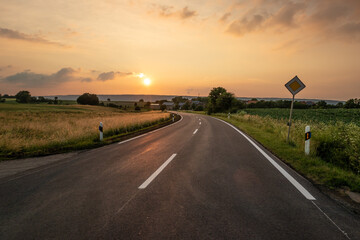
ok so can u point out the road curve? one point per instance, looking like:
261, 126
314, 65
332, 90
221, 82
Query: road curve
196, 179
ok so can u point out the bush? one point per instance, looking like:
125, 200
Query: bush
113, 105
339, 144
88, 99
199, 108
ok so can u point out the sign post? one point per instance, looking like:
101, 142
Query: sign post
294, 86
101, 131
307, 140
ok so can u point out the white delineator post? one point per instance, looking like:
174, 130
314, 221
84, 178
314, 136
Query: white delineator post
101, 131
307, 140
173, 117
228, 115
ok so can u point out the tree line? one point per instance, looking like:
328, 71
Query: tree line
25, 97
218, 100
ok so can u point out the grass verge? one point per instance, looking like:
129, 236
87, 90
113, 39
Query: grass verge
87, 142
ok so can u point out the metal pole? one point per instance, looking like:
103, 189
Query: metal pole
291, 109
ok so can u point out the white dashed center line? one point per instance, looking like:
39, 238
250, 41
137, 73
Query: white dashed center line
157, 172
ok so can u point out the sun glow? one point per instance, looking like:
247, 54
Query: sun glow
147, 81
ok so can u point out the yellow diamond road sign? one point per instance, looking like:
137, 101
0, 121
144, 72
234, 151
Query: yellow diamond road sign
295, 85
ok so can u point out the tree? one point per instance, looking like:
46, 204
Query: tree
162, 107
23, 97
352, 103
238, 104
339, 105
141, 100
186, 106
147, 104
108, 99
88, 99
193, 106
224, 102
321, 104
176, 106
41, 99
220, 100
213, 96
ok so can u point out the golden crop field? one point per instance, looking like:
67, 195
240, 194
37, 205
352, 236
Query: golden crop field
34, 126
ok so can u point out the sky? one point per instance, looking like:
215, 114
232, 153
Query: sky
251, 48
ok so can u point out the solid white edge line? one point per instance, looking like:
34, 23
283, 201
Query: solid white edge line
143, 135
342, 231
195, 131
157, 172
296, 184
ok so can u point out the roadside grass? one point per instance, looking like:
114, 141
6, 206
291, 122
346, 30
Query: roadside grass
339, 169
41, 129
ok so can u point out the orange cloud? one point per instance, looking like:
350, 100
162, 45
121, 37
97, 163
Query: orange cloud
12, 34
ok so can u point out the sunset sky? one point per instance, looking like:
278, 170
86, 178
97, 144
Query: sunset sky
252, 48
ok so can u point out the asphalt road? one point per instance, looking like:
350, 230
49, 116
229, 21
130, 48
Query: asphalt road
196, 179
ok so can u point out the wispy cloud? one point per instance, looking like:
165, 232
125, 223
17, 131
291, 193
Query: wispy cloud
246, 25
286, 15
13, 34
165, 10
187, 13
225, 17
171, 11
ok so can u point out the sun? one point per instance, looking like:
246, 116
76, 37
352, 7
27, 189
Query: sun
147, 81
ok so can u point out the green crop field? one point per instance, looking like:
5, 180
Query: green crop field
310, 115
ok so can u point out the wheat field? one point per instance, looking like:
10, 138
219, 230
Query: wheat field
34, 126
